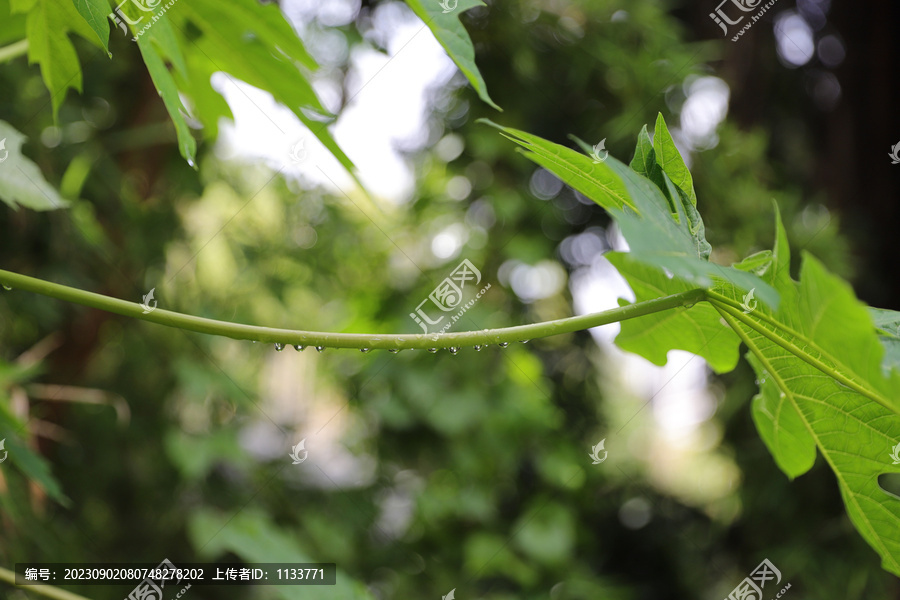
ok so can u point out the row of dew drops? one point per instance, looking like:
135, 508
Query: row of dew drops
454, 350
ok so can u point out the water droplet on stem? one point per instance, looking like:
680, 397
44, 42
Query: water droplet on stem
279, 346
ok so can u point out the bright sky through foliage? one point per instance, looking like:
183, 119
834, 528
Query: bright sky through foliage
388, 107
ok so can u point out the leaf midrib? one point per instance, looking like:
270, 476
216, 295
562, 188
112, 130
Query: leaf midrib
840, 370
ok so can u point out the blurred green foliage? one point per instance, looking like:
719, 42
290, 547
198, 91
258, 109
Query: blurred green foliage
426, 472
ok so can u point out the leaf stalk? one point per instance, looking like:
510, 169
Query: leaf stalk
48, 591
241, 331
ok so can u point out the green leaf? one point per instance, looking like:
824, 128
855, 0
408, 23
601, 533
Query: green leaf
95, 14
546, 532
47, 27
698, 329
238, 48
489, 554
823, 383
209, 106
655, 234
12, 32
819, 363
644, 161
248, 42
695, 225
21, 181
157, 45
670, 160
267, 23
195, 456
251, 535
600, 182
661, 161
20, 456
781, 425
450, 33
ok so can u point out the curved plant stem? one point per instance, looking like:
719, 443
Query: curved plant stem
349, 340
43, 590
8, 53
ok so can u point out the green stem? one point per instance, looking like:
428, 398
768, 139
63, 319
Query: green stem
8, 53
43, 590
349, 340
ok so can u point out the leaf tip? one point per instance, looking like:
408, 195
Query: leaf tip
489, 123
